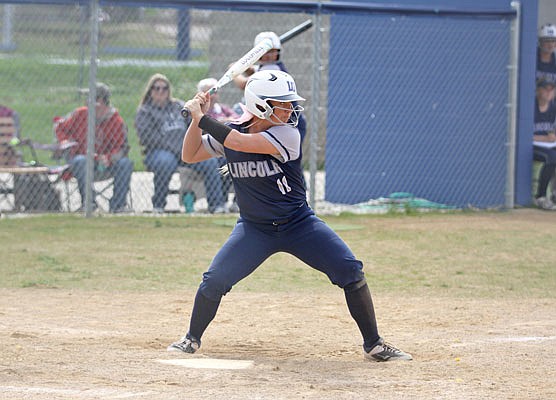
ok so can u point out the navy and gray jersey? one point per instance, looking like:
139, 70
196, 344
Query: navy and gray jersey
546, 70
268, 188
545, 122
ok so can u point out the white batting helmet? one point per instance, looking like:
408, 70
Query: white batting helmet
267, 85
269, 35
547, 31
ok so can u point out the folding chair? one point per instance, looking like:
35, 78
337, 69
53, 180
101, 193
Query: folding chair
103, 188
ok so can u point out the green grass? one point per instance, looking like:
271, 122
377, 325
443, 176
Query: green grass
39, 86
52, 90
462, 255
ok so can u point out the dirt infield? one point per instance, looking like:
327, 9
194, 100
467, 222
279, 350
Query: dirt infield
59, 344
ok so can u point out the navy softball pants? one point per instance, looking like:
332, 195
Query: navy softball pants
305, 236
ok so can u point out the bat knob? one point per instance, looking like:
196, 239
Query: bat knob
185, 112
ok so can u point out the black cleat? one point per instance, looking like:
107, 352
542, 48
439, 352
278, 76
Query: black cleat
187, 344
383, 351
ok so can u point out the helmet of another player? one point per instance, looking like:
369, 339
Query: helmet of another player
268, 35
278, 86
276, 45
547, 32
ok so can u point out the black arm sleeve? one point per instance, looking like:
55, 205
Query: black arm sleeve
217, 130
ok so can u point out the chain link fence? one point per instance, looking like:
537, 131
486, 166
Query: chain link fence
45, 71
406, 105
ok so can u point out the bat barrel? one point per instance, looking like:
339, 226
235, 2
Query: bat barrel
296, 31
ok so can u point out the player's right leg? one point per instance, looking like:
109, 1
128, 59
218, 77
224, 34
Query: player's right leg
186, 344
245, 249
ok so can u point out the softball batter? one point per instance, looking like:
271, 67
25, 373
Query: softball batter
263, 152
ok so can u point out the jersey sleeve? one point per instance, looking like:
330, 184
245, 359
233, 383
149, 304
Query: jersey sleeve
286, 139
216, 149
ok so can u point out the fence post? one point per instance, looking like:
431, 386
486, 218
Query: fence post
82, 38
313, 153
91, 105
183, 46
7, 44
512, 114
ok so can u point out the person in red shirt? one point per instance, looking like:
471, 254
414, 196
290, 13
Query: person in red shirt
111, 147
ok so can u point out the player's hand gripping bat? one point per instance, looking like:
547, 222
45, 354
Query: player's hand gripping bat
251, 57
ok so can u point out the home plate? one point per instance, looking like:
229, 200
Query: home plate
209, 363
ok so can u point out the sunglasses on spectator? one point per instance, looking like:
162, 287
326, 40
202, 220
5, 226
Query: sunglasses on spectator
160, 88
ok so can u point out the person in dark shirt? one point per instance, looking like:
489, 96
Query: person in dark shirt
161, 129
544, 141
546, 59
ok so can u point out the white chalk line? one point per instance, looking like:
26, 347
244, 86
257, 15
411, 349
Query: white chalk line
208, 363
510, 339
104, 392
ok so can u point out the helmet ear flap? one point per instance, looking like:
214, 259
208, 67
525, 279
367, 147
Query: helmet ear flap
260, 108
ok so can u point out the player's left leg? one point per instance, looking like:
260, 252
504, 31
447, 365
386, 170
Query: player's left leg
204, 311
361, 308
320, 247
315, 243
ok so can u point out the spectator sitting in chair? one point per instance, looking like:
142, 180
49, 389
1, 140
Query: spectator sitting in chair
544, 140
161, 128
111, 147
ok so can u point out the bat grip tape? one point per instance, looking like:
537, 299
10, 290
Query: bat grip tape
217, 130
